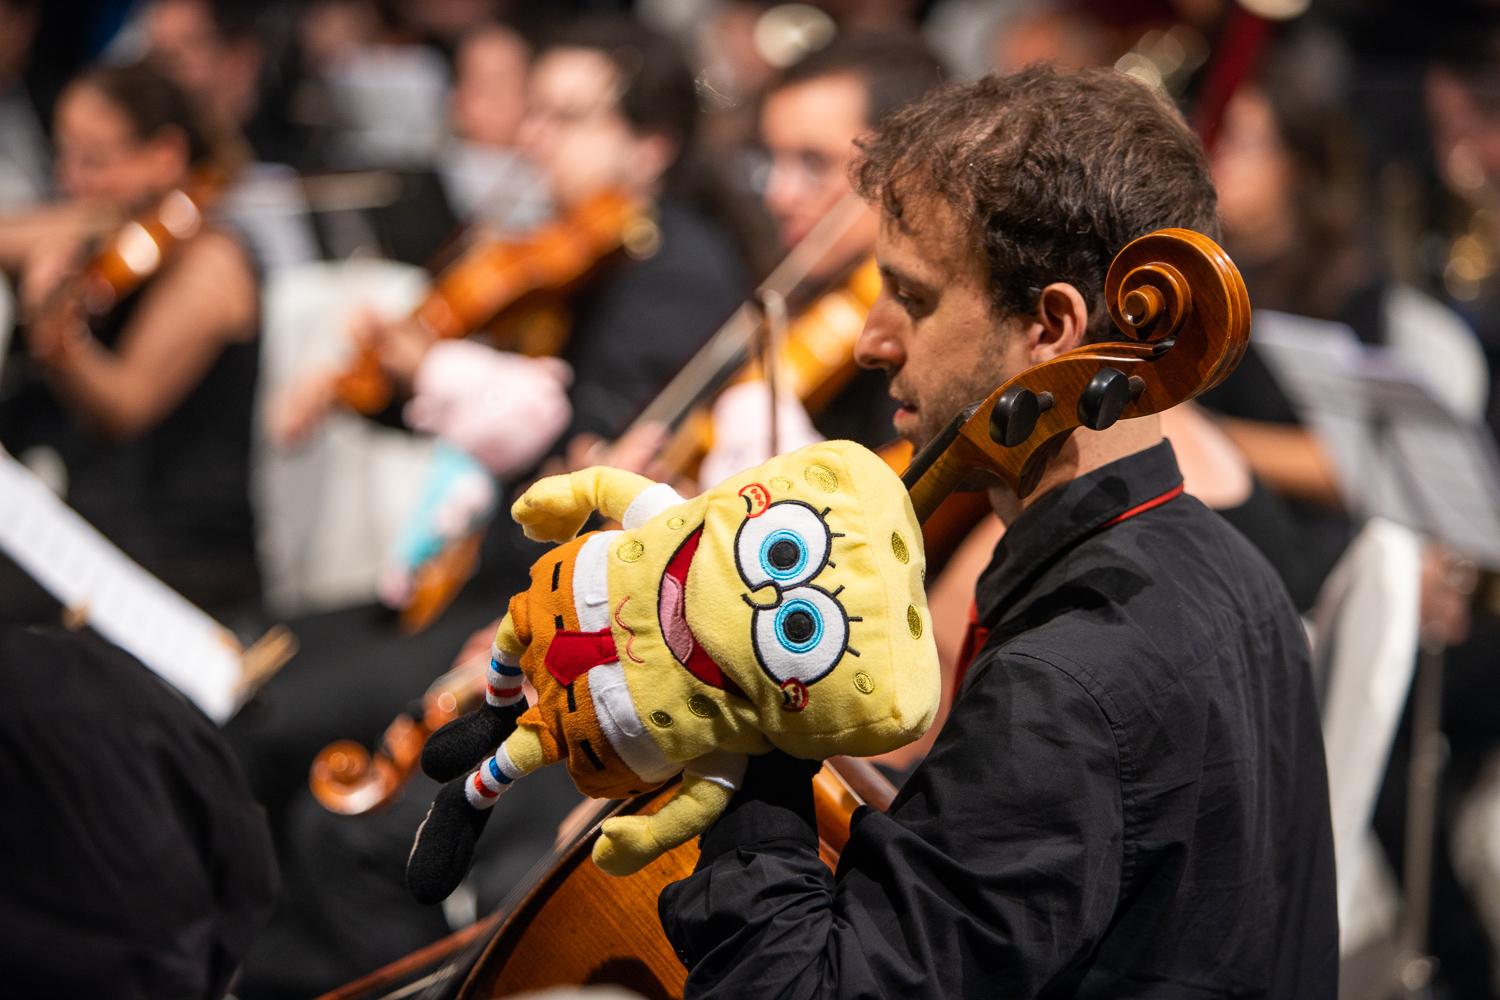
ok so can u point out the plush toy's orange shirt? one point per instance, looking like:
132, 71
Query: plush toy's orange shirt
560, 657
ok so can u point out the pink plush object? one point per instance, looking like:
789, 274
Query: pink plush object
504, 409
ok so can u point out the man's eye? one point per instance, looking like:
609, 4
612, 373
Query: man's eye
910, 304
815, 164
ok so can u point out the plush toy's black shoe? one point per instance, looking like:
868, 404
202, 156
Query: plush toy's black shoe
461, 745
444, 845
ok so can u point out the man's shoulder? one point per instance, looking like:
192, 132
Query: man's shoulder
1157, 608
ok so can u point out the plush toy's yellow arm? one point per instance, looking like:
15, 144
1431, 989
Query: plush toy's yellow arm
627, 844
554, 508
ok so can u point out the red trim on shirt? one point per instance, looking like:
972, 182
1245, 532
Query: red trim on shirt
1171, 494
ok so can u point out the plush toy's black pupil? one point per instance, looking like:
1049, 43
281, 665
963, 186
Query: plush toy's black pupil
784, 554
798, 626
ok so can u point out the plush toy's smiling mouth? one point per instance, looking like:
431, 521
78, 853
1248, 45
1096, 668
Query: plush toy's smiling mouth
671, 613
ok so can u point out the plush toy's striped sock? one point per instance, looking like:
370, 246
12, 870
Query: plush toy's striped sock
503, 682
494, 776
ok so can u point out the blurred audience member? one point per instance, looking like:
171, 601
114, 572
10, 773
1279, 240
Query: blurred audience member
150, 410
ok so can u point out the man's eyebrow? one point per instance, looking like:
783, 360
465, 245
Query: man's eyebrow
890, 273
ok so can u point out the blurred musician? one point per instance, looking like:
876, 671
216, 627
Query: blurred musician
610, 107
216, 51
484, 174
1292, 196
811, 119
149, 409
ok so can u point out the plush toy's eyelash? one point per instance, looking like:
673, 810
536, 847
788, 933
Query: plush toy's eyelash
851, 619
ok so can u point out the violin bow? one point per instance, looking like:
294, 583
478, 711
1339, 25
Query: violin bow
696, 379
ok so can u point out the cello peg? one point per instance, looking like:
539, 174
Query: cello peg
1014, 417
1104, 398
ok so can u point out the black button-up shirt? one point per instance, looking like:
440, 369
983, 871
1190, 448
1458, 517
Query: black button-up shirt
1128, 800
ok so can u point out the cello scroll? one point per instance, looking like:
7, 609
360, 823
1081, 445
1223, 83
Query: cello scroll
1181, 303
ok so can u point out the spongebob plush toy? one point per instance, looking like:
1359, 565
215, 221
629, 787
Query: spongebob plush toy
783, 608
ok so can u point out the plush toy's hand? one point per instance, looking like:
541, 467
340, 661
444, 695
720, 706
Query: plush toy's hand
553, 509
626, 844
444, 846
462, 744
550, 510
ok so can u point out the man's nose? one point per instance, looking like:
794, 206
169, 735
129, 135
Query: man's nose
879, 343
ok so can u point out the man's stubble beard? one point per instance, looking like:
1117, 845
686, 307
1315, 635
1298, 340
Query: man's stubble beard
976, 480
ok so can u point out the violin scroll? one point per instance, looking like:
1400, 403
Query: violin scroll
1182, 307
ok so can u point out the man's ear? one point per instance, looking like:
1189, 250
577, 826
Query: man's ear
1060, 323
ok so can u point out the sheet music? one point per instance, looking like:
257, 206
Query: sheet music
122, 602
1399, 452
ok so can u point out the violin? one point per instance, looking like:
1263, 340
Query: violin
514, 288
813, 361
1183, 309
817, 356
497, 277
130, 255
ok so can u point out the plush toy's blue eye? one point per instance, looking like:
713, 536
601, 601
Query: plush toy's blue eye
786, 544
803, 637
799, 625
783, 555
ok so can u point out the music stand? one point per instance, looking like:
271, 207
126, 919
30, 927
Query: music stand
99, 586
1400, 453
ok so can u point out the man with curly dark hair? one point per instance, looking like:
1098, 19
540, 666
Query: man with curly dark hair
1129, 798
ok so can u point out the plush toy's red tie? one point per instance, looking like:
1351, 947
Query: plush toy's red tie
573, 654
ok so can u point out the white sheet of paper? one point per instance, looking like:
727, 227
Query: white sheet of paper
123, 602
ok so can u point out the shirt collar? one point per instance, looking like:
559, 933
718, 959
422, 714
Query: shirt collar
1066, 515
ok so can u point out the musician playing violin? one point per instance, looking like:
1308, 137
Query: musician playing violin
148, 400
1129, 797
610, 107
